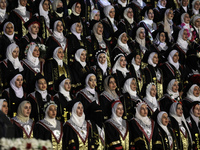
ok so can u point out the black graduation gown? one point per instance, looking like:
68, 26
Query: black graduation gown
140, 138
194, 130
119, 11
182, 54
71, 137
13, 101
119, 50
159, 14
64, 107
186, 102
174, 4
37, 105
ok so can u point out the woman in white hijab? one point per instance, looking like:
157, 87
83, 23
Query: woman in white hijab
22, 122
194, 123
3, 14
144, 130
166, 132
159, 11
77, 129
195, 7
117, 129
196, 26
180, 127
4, 106
130, 97
49, 128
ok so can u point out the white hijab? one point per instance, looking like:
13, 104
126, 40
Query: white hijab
191, 95
14, 61
147, 20
168, 25
98, 37
34, 36
118, 67
88, 88
18, 91
78, 55
196, 119
121, 3
172, 94
104, 66
159, 5
93, 13
159, 120
122, 45
74, 9
130, 20
63, 91
9, 36
44, 13
43, 93
117, 119
194, 10
127, 88
182, 43
2, 14
142, 42
104, 3
55, 56
146, 119
170, 59
1, 103
162, 45
75, 118
52, 121
73, 30
21, 9
150, 59
137, 67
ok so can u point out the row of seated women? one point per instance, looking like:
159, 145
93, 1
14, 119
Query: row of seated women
140, 132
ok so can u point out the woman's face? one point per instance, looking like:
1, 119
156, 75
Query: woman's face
97, 16
119, 110
142, 34
197, 23
42, 84
175, 87
153, 91
9, 29
23, 2
83, 56
155, 59
15, 53
60, 4
35, 28
162, 37
196, 110
187, 18
123, 62
143, 110
179, 110
185, 35
138, 60
196, 91
112, 13
78, 8
176, 57
112, 84
4, 108
170, 15
196, 5
165, 119
52, 112
19, 81
79, 110
60, 53
3, 4
78, 28
124, 38
133, 85
130, 13
92, 82
100, 29
45, 5
163, 3
184, 3
67, 85
102, 58
151, 14
36, 52
59, 27
27, 110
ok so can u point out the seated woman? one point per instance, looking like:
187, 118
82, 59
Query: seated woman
88, 94
166, 132
22, 122
64, 98
144, 130
193, 121
119, 70
39, 97
77, 129
49, 128
14, 94
4, 106
32, 66
171, 96
117, 129
10, 64
180, 127
108, 96
130, 97
54, 68
101, 69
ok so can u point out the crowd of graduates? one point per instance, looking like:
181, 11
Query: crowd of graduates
102, 74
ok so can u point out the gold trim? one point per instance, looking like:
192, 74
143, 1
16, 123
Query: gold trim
138, 139
158, 142
71, 141
50, 83
114, 143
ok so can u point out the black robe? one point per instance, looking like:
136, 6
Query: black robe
186, 110
182, 54
159, 14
